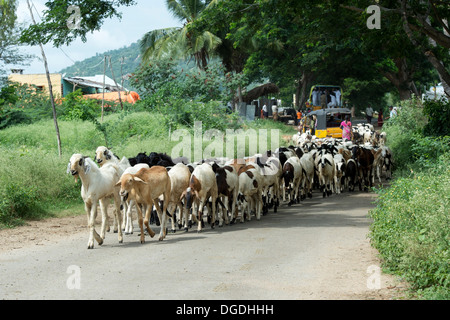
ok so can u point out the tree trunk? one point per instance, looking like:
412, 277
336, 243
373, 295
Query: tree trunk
50, 88
301, 94
444, 75
402, 79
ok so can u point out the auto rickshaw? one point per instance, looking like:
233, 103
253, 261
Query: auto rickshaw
329, 121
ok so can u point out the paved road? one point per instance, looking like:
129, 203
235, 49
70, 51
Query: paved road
314, 250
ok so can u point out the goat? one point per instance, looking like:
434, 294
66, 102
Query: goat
145, 187
351, 175
98, 184
228, 188
250, 193
340, 164
127, 225
179, 180
364, 158
202, 185
327, 174
103, 155
292, 175
307, 163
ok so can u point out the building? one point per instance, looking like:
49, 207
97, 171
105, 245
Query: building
39, 80
91, 87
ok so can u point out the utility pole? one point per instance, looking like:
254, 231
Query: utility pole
114, 78
50, 87
103, 98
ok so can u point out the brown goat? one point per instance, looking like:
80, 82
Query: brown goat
145, 187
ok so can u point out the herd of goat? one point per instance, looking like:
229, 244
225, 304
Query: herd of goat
231, 189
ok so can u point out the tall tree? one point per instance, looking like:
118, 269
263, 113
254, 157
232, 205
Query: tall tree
181, 41
54, 29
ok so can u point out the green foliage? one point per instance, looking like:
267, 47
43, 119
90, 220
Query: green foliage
75, 107
411, 220
438, 114
53, 27
403, 130
410, 229
19, 202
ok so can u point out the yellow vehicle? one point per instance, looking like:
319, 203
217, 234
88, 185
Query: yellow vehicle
328, 121
333, 94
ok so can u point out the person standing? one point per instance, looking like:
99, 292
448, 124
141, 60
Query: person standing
380, 118
323, 100
369, 114
346, 127
316, 97
312, 126
265, 112
337, 93
299, 116
275, 112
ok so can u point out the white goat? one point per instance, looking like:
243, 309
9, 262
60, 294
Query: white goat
103, 155
250, 193
327, 175
179, 180
202, 186
98, 184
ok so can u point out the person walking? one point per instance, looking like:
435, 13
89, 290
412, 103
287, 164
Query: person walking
346, 127
369, 114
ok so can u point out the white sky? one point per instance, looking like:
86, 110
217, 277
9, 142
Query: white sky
146, 15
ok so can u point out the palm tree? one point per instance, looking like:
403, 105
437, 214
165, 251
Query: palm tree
181, 41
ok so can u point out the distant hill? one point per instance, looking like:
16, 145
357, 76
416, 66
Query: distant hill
94, 65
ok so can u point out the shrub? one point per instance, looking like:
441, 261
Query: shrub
403, 130
19, 202
410, 228
438, 114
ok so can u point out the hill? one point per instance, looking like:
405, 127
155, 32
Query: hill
124, 61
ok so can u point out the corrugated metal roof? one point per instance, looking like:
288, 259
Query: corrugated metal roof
95, 82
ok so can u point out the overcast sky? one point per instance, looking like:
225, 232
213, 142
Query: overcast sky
146, 15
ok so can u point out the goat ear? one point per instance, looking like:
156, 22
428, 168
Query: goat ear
68, 168
87, 168
139, 180
118, 184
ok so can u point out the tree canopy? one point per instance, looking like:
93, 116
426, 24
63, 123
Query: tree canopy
292, 43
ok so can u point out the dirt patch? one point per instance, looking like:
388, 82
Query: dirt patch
39, 233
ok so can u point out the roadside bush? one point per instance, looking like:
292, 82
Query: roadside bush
410, 229
403, 130
411, 222
19, 202
438, 114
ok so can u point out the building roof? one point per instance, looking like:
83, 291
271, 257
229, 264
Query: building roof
95, 82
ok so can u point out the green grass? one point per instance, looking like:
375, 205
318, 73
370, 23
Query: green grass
411, 230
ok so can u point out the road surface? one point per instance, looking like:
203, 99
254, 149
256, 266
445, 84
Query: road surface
317, 249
